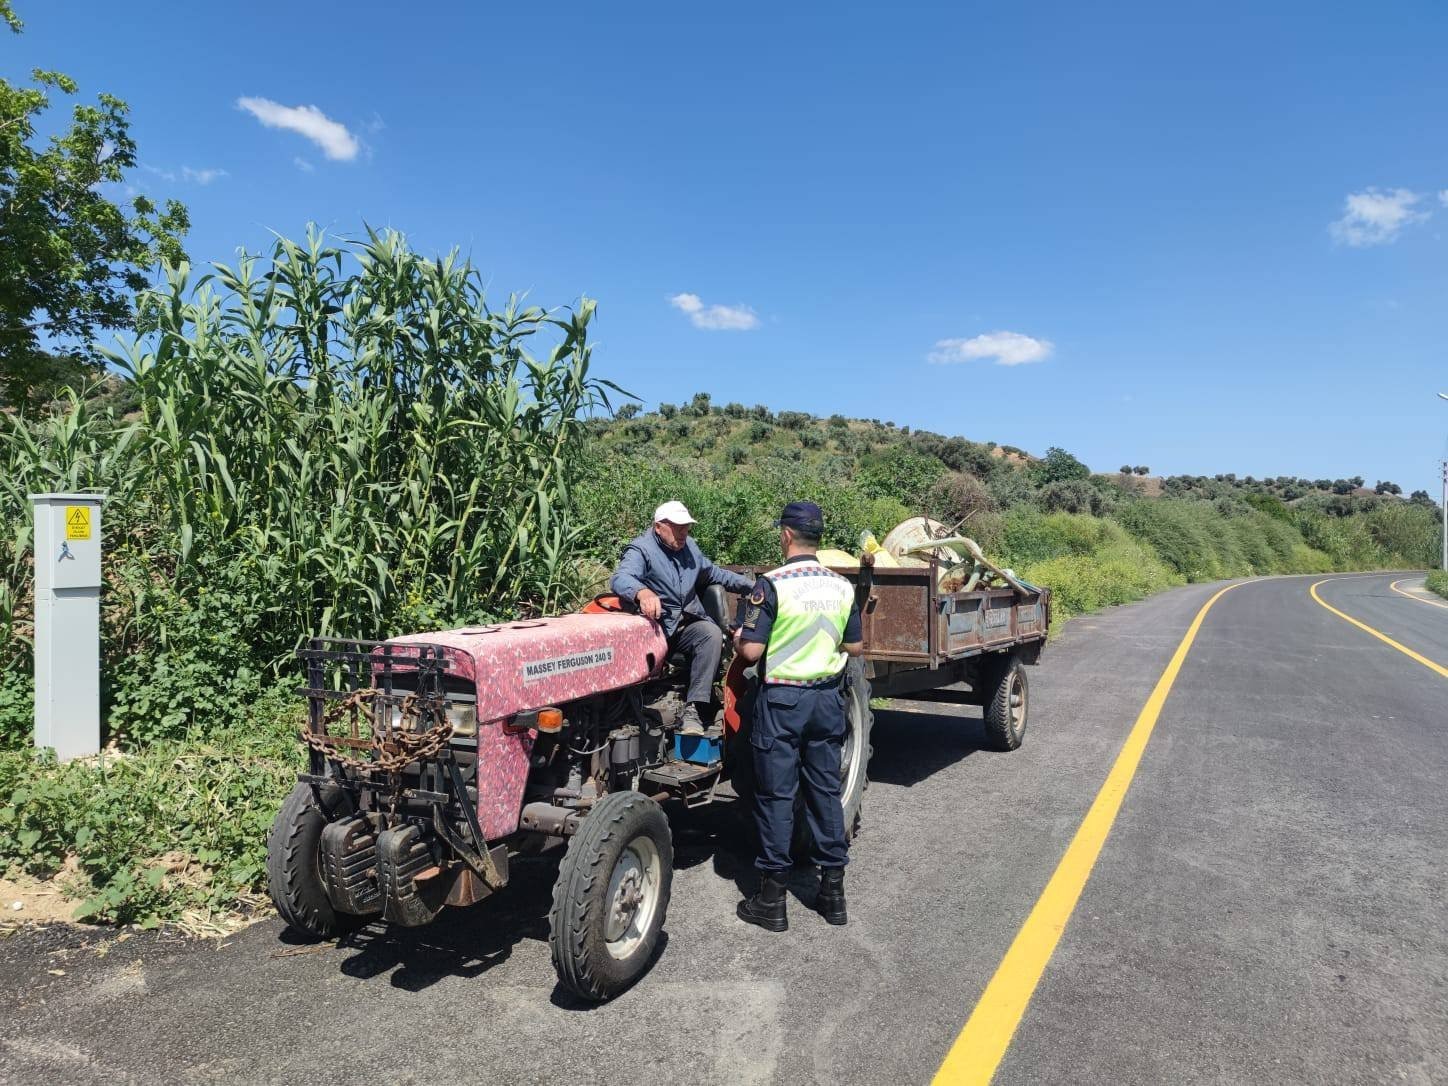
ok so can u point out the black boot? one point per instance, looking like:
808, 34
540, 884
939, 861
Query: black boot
830, 903
765, 908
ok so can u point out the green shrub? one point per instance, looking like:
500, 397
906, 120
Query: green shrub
902, 474
1188, 535
177, 826
17, 708
1407, 535
1031, 536
1437, 581
1118, 572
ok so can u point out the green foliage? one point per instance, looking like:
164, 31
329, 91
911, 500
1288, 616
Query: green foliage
902, 474
1033, 538
735, 510
1406, 535
70, 259
1073, 496
17, 709
175, 827
343, 439
1116, 573
1437, 581
1059, 466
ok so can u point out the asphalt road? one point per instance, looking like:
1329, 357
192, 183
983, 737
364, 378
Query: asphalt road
1270, 906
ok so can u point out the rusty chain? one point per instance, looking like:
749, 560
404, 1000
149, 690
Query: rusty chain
392, 749
391, 753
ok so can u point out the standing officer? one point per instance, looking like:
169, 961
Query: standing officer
801, 618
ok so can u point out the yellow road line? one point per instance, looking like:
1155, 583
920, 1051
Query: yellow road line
1420, 599
1439, 668
982, 1043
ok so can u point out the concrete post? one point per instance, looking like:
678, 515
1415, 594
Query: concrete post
67, 623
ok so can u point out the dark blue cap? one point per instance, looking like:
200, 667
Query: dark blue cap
805, 516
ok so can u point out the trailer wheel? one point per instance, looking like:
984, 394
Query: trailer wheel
1007, 704
294, 865
611, 896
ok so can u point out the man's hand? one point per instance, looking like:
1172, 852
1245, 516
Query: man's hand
649, 606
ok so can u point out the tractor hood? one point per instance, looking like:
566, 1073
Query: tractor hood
518, 666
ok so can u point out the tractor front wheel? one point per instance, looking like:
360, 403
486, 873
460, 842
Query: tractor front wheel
611, 896
293, 862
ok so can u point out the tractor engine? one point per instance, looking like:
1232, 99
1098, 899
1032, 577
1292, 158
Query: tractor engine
558, 704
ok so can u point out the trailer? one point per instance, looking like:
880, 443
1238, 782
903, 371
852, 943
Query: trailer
928, 644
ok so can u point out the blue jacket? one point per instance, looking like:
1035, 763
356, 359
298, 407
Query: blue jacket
677, 577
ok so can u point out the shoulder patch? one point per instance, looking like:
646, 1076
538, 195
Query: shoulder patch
757, 596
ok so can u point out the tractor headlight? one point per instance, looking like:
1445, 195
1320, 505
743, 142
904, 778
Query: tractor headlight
391, 718
463, 716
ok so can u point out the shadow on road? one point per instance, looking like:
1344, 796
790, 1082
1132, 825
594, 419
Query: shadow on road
460, 942
913, 744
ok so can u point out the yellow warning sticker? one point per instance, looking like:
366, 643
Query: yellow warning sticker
77, 522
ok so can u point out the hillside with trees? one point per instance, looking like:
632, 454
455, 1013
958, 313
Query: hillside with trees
737, 462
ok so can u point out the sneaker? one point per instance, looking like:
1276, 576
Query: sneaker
689, 722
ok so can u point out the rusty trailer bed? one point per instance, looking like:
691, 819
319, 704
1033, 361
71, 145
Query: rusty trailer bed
919, 638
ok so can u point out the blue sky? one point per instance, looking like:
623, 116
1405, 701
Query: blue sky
801, 208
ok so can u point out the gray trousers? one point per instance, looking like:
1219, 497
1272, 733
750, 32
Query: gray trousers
702, 642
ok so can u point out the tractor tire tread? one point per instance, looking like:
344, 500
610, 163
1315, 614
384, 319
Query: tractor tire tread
293, 880
574, 901
999, 735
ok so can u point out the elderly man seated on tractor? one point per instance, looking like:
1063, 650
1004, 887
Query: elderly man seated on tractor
662, 572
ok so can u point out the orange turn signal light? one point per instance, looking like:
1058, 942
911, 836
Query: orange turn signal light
550, 720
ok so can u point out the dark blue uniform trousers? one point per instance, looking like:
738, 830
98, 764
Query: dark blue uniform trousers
797, 735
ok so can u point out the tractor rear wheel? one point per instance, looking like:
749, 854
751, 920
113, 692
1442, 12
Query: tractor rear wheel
854, 762
293, 862
611, 896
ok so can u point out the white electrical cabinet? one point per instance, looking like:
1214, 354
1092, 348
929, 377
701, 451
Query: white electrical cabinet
67, 622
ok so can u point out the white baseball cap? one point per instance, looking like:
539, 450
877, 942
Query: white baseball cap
674, 513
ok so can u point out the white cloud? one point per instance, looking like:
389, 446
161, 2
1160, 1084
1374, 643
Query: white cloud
303, 165
1376, 216
1004, 348
715, 318
309, 121
1443, 197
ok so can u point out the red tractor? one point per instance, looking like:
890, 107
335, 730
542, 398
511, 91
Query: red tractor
437, 759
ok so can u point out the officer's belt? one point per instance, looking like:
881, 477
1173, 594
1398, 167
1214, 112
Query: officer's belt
831, 680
